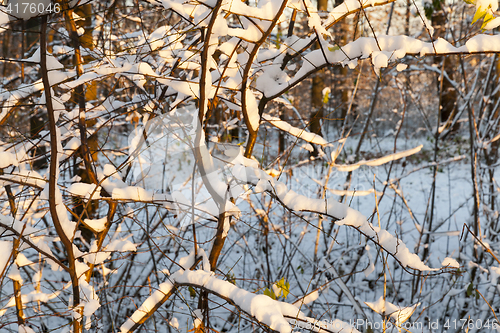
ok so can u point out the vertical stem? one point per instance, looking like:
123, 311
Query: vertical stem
252, 133
17, 287
473, 161
53, 174
79, 90
435, 169
16, 284
23, 49
5, 48
281, 134
218, 242
205, 86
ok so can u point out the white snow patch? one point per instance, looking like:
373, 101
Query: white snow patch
379, 161
25, 329
21, 260
87, 191
401, 67
297, 132
397, 313
309, 298
97, 225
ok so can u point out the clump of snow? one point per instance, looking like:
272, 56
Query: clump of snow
110, 171
355, 193
380, 59
482, 43
163, 291
401, 67
134, 193
81, 268
198, 320
272, 313
494, 274
380, 161
297, 132
272, 75
252, 109
7, 159
97, 225
25, 329
398, 314
492, 4
85, 190
90, 301
174, 323
188, 261
21, 260
6, 249
309, 298
14, 274
450, 262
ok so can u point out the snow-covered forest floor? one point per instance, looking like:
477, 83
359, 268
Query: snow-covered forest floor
267, 243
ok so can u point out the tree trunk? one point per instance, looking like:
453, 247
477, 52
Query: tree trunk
82, 94
30, 38
448, 93
318, 84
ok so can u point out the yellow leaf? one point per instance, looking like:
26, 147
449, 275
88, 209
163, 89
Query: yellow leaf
269, 293
480, 12
487, 18
284, 287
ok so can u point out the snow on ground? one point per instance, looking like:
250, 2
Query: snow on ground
290, 243
267, 243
